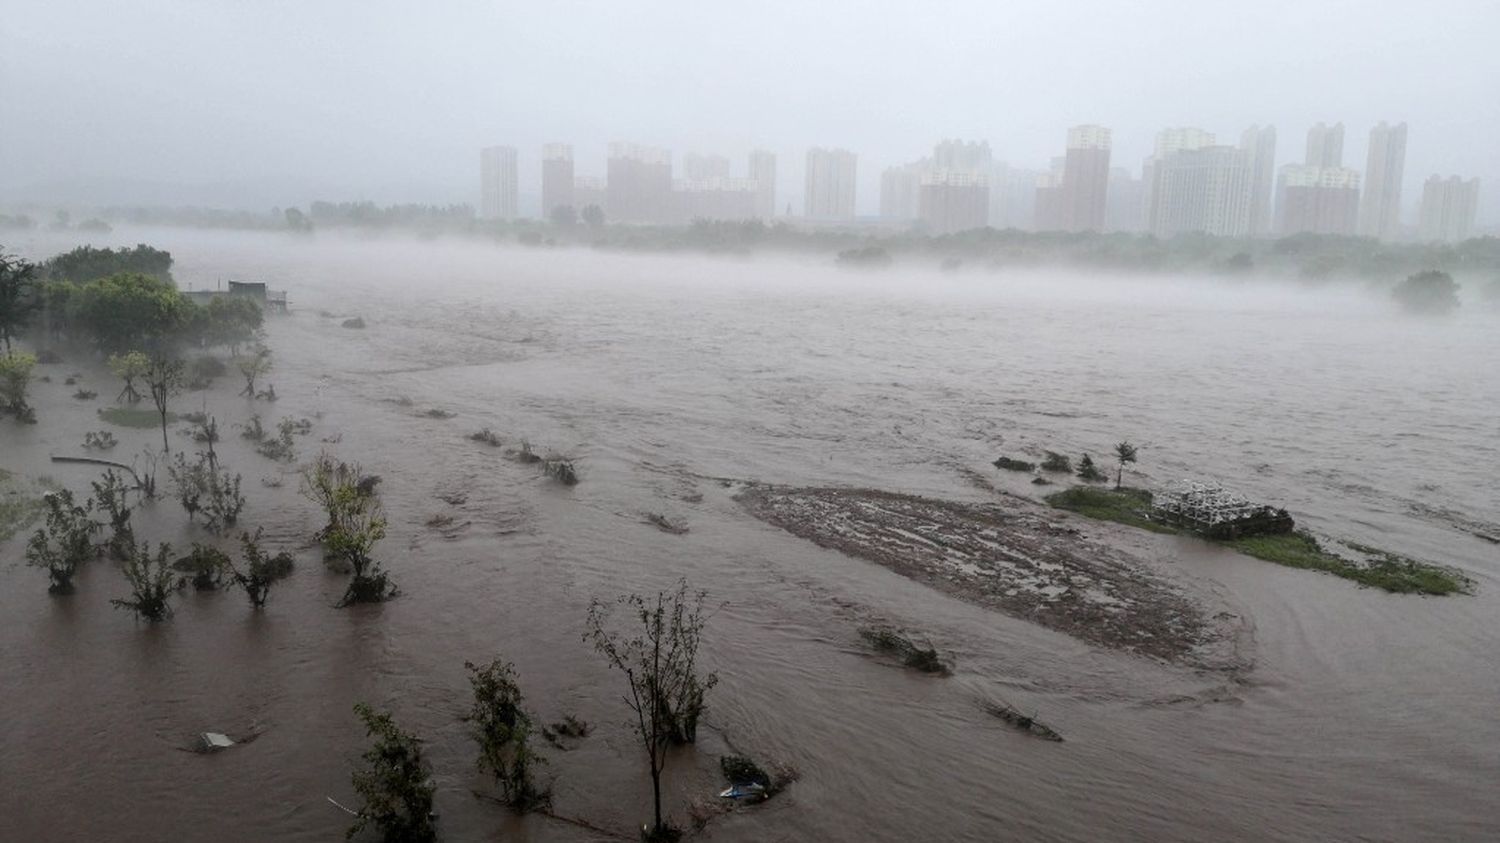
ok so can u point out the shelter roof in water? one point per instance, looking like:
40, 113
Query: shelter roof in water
1209, 508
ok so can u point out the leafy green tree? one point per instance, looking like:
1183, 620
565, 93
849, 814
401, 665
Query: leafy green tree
1431, 293
66, 542
232, 321
19, 296
503, 729
660, 663
1124, 453
593, 216
395, 784
129, 311
15, 378
87, 263
130, 367
564, 215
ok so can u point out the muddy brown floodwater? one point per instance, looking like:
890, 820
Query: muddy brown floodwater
1349, 714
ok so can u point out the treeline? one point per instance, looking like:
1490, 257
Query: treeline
115, 302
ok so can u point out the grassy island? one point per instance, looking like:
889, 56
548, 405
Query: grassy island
1379, 568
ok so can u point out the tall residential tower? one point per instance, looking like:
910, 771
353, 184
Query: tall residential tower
1380, 206
830, 184
498, 187
557, 178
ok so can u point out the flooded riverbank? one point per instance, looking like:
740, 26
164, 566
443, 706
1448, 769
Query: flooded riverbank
1363, 715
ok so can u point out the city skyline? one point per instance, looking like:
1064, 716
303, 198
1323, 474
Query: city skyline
261, 121
1189, 183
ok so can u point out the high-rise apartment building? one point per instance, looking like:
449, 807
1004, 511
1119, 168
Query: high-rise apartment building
763, 173
498, 186
1123, 210
1448, 208
1325, 146
1168, 142
1205, 190
950, 201
557, 178
1259, 146
1317, 200
957, 156
899, 189
1380, 206
638, 185
1085, 181
697, 167
713, 198
829, 184
589, 190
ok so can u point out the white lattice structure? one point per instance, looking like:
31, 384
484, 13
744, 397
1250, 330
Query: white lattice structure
1203, 504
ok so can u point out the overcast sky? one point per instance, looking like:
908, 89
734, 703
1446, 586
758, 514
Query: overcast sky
253, 103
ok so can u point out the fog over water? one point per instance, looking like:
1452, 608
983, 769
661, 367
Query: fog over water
1351, 714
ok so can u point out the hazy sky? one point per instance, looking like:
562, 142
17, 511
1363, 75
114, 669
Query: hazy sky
254, 103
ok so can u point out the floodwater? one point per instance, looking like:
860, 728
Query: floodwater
1360, 715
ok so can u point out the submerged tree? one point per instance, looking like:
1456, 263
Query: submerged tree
395, 785
355, 523
110, 491
253, 366
152, 581
1432, 293
19, 297
503, 730
1088, 471
259, 570
130, 368
15, 378
65, 543
660, 663
1124, 453
163, 377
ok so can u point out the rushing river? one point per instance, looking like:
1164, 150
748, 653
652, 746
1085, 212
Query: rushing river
1362, 715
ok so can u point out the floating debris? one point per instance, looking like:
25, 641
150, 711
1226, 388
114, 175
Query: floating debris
1024, 722
665, 524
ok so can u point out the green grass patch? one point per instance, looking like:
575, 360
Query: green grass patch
1123, 506
1379, 569
134, 417
21, 503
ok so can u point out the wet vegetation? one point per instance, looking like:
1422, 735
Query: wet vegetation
1025, 722
205, 566
655, 647
66, 543
152, 581
395, 785
1300, 549
891, 642
258, 571
486, 437
1008, 464
356, 522
503, 729
1057, 463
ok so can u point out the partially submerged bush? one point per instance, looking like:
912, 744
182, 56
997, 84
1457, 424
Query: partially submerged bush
205, 565
1014, 465
110, 492
486, 437
15, 377
101, 440
151, 580
201, 486
525, 454
561, 470
356, 323
889, 641
1057, 463
503, 729
395, 786
1088, 471
355, 523
65, 543
85, 395
259, 570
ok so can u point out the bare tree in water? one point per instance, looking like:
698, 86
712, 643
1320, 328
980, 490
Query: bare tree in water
660, 662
